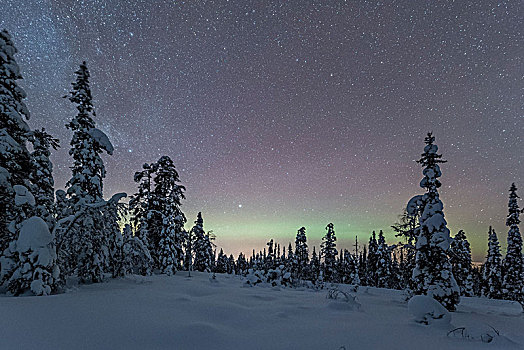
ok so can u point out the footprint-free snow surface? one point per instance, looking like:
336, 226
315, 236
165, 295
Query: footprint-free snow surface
177, 312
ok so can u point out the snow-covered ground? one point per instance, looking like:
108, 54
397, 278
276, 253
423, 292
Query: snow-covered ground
177, 312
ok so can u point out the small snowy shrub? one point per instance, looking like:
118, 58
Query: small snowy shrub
482, 333
276, 277
338, 295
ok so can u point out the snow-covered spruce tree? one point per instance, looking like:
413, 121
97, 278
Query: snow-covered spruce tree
167, 252
460, 258
301, 257
314, 267
85, 188
42, 175
384, 264
222, 262
15, 160
406, 228
140, 204
432, 274
513, 282
492, 268
61, 206
202, 247
350, 270
328, 252
36, 269
242, 265
137, 259
363, 267
372, 261
113, 212
165, 203
231, 266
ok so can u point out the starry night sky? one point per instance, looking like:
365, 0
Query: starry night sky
282, 114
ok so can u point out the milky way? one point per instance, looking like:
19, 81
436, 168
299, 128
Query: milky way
280, 114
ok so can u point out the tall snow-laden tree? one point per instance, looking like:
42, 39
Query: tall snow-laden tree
301, 256
165, 208
372, 261
513, 282
113, 212
42, 175
202, 246
432, 275
242, 265
137, 259
350, 269
15, 160
406, 228
222, 262
460, 258
85, 188
384, 264
140, 204
87, 144
492, 268
314, 267
328, 252
167, 251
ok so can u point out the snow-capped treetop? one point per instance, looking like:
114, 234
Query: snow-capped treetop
34, 234
101, 138
87, 144
430, 160
81, 96
513, 206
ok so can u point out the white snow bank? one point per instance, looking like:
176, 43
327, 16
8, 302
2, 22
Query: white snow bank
176, 312
427, 310
34, 234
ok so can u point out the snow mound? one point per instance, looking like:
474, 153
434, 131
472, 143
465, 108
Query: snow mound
427, 310
101, 138
341, 300
23, 196
34, 234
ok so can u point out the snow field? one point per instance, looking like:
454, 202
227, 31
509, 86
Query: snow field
176, 312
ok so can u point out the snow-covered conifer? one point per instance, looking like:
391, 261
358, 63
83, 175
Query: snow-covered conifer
314, 267
513, 282
36, 269
432, 274
85, 188
165, 203
350, 271
301, 256
15, 160
202, 246
384, 264
492, 268
42, 175
222, 261
167, 252
137, 259
460, 258
372, 260
329, 254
